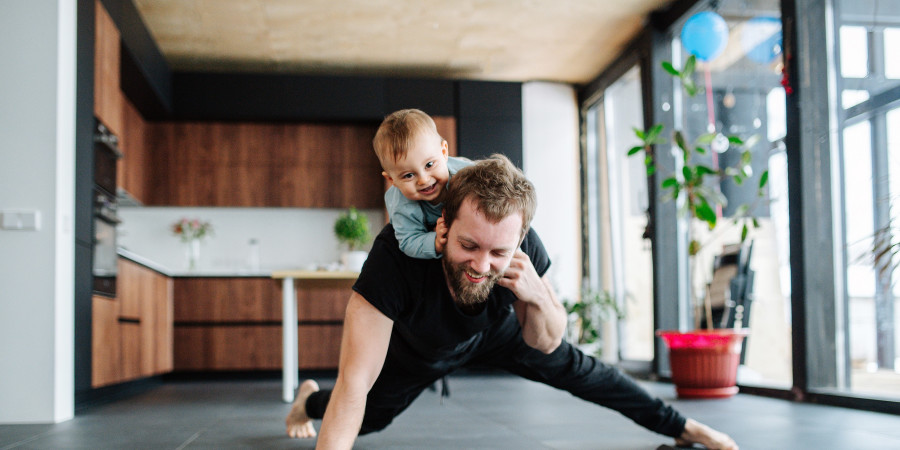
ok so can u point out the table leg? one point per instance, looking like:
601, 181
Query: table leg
289, 339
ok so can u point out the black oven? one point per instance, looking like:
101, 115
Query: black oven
105, 211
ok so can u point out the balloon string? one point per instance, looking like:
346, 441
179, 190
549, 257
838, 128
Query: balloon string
710, 114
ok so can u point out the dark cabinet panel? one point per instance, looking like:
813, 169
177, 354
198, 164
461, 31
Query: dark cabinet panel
235, 323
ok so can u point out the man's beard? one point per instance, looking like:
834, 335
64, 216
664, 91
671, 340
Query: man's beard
465, 292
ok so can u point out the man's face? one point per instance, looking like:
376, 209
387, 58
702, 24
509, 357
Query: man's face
477, 252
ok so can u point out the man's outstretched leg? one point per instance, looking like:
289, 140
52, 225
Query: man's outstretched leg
299, 425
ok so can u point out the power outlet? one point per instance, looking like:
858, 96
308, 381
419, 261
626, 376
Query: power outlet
20, 220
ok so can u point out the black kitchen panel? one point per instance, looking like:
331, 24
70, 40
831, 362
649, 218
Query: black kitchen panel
489, 99
435, 97
276, 97
480, 137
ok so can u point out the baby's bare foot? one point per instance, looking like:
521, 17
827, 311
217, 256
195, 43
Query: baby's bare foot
299, 425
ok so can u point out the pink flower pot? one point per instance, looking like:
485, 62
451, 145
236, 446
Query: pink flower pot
704, 363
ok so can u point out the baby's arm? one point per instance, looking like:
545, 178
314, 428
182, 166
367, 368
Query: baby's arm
415, 240
409, 226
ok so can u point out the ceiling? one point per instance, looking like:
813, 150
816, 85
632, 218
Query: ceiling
502, 40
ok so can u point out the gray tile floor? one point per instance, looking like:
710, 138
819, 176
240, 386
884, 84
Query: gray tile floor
484, 412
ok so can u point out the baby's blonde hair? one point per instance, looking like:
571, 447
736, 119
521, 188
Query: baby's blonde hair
397, 132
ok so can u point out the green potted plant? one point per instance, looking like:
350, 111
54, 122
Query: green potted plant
587, 316
352, 230
694, 353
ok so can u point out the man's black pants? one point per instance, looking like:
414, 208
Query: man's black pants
405, 375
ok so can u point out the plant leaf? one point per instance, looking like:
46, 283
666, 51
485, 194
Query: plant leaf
763, 179
689, 66
688, 173
706, 213
704, 170
751, 141
700, 150
679, 140
639, 133
689, 87
744, 232
747, 170
746, 157
669, 183
668, 67
654, 132
735, 140
634, 150
706, 138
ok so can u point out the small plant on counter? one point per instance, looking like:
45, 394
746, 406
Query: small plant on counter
191, 229
352, 228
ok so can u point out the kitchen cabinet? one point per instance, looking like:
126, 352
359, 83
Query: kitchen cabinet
108, 96
133, 169
226, 323
106, 342
260, 165
132, 334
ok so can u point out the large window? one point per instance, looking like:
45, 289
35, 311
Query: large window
619, 251
868, 79
740, 94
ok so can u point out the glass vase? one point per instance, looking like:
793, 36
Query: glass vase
192, 253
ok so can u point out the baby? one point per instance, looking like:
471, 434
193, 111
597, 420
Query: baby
417, 167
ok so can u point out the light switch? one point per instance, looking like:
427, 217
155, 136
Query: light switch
20, 220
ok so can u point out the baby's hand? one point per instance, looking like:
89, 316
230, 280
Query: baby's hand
440, 237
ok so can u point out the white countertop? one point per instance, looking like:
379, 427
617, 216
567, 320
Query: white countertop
262, 272
199, 272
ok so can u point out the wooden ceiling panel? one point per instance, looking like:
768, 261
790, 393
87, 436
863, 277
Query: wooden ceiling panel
512, 40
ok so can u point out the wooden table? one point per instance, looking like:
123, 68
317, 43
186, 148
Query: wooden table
289, 348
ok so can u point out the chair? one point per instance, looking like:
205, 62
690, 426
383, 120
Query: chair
731, 288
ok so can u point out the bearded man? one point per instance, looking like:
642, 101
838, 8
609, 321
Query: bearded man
486, 302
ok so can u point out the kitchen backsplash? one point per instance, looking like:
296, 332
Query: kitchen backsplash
288, 238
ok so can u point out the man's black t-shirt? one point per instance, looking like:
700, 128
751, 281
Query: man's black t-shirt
413, 293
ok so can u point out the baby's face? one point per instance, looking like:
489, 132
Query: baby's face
422, 174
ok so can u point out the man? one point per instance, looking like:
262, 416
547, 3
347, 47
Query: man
411, 321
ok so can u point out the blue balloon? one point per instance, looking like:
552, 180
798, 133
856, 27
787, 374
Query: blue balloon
705, 35
761, 39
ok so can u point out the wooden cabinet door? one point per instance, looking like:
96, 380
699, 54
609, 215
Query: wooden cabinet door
259, 165
107, 95
163, 328
131, 287
135, 167
106, 347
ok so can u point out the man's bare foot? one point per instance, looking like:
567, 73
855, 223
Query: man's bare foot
697, 433
299, 425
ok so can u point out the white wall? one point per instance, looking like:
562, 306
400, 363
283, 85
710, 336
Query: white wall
289, 238
550, 159
37, 153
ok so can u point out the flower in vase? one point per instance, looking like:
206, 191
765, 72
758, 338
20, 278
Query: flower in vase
191, 229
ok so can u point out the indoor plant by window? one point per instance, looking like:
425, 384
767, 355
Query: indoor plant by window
587, 316
704, 362
352, 230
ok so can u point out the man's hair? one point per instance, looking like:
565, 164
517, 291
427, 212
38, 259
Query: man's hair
397, 132
498, 189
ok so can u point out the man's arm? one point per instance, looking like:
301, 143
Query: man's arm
542, 316
364, 345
